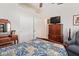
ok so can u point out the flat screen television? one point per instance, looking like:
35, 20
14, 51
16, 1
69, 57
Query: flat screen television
55, 19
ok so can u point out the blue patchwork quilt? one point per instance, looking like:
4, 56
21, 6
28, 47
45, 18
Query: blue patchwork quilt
36, 47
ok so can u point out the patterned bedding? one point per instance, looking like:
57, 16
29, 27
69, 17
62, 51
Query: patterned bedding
36, 47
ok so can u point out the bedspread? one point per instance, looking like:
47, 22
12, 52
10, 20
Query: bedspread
36, 47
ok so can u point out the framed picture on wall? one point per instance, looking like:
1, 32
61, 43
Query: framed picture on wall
76, 20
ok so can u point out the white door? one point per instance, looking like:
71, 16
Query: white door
26, 27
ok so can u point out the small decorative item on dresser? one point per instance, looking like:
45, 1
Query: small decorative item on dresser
13, 31
7, 36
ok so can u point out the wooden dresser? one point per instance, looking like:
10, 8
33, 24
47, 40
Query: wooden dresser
7, 36
8, 41
55, 32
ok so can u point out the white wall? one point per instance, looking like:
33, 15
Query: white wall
10, 12
67, 18
22, 19
66, 11
31, 24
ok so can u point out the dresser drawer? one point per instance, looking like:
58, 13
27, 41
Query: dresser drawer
56, 38
2, 40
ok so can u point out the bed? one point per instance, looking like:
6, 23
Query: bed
36, 47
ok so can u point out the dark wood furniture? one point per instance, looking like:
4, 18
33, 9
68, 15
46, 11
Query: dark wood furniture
55, 32
6, 40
